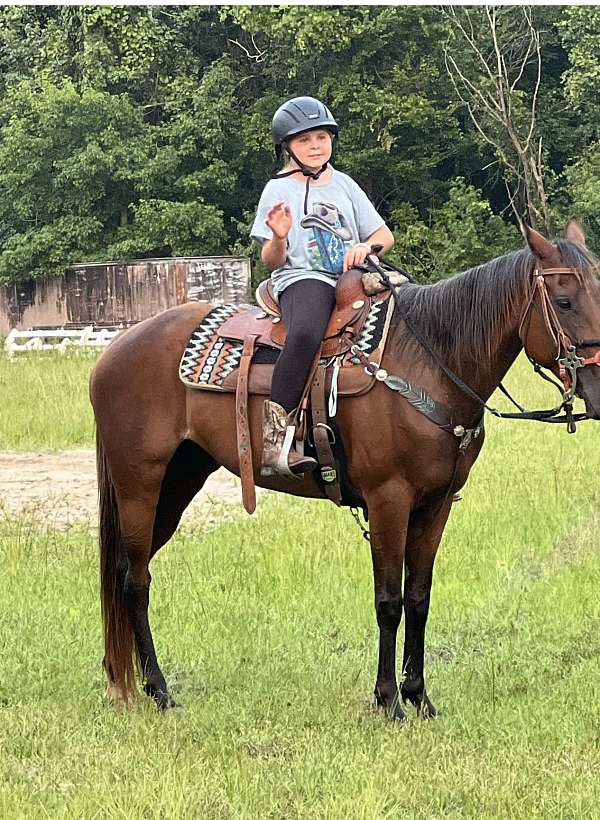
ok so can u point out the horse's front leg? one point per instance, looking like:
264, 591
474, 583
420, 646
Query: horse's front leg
424, 534
388, 518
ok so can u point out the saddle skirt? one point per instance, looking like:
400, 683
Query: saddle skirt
212, 356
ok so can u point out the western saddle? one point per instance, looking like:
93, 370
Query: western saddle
263, 326
265, 322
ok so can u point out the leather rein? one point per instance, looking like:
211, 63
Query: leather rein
568, 360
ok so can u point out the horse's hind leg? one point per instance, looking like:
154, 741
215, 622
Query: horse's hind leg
186, 474
151, 526
137, 523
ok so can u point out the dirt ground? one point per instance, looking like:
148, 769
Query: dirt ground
60, 490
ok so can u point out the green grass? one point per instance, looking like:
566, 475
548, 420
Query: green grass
266, 631
45, 404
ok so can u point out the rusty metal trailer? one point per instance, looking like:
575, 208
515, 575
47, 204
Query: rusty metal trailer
122, 293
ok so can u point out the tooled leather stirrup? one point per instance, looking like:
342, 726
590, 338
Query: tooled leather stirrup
244, 443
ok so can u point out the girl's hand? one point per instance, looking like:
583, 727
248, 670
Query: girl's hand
356, 255
279, 219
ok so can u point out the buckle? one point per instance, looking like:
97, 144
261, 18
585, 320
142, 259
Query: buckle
330, 433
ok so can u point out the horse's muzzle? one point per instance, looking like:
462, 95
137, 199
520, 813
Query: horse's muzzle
588, 389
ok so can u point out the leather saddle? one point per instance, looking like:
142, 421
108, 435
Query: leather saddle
265, 322
264, 326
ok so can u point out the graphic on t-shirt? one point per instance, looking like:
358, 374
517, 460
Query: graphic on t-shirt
329, 237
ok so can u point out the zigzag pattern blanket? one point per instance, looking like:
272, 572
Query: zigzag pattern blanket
209, 358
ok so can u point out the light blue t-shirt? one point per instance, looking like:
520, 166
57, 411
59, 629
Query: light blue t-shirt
339, 214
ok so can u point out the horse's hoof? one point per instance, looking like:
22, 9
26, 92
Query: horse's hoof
161, 697
396, 712
164, 701
425, 708
392, 710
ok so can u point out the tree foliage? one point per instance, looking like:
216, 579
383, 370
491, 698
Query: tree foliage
131, 131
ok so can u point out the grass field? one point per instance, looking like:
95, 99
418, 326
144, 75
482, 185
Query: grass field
266, 631
49, 408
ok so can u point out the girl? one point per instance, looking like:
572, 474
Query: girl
313, 223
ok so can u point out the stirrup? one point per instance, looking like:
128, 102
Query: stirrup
282, 467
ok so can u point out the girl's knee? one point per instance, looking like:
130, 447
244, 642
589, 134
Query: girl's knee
304, 338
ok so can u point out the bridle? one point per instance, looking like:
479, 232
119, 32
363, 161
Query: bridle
566, 356
566, 348
568, 360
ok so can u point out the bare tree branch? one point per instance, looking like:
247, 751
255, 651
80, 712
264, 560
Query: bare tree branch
258, 56
470, 39
486, 64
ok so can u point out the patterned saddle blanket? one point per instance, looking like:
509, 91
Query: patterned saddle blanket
211, 359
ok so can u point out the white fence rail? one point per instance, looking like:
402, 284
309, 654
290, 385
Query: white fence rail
60, 339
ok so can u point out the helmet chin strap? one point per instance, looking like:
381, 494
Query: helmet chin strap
305, 170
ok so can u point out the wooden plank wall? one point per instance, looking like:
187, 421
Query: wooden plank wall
120, 293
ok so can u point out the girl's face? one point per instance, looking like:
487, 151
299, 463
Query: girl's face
313, 148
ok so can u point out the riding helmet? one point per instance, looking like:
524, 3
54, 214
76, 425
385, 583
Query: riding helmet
301, 114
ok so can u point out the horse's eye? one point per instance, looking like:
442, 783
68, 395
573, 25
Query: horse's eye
563, 303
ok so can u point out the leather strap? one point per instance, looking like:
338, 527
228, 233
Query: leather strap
321, 433
244, 443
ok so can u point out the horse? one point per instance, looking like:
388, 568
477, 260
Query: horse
158, 441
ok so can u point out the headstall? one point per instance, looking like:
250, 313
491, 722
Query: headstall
569, 362
566, 348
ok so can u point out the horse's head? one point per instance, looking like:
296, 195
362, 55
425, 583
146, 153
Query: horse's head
560, 327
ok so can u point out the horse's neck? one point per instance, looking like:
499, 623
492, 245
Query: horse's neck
487, 378
472, 323
483, 373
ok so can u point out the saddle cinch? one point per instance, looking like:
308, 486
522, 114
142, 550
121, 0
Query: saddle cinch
248, 339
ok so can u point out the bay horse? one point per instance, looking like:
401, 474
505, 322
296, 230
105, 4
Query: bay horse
158, 441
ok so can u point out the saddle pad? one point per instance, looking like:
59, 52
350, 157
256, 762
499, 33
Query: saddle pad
209, 360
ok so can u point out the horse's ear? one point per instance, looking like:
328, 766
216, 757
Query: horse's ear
574, 232
540, 246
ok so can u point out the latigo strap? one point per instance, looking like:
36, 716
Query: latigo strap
323, 438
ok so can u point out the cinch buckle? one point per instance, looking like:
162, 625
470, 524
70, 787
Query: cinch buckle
370, 367
466, 436
330, 433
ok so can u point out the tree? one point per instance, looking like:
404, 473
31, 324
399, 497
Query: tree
580, 32
495, 62
72, 169
579, 29
460, 234
135, 131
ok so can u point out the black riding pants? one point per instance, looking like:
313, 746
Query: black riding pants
306, 307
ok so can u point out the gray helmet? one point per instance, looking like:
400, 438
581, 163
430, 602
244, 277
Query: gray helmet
301, 114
